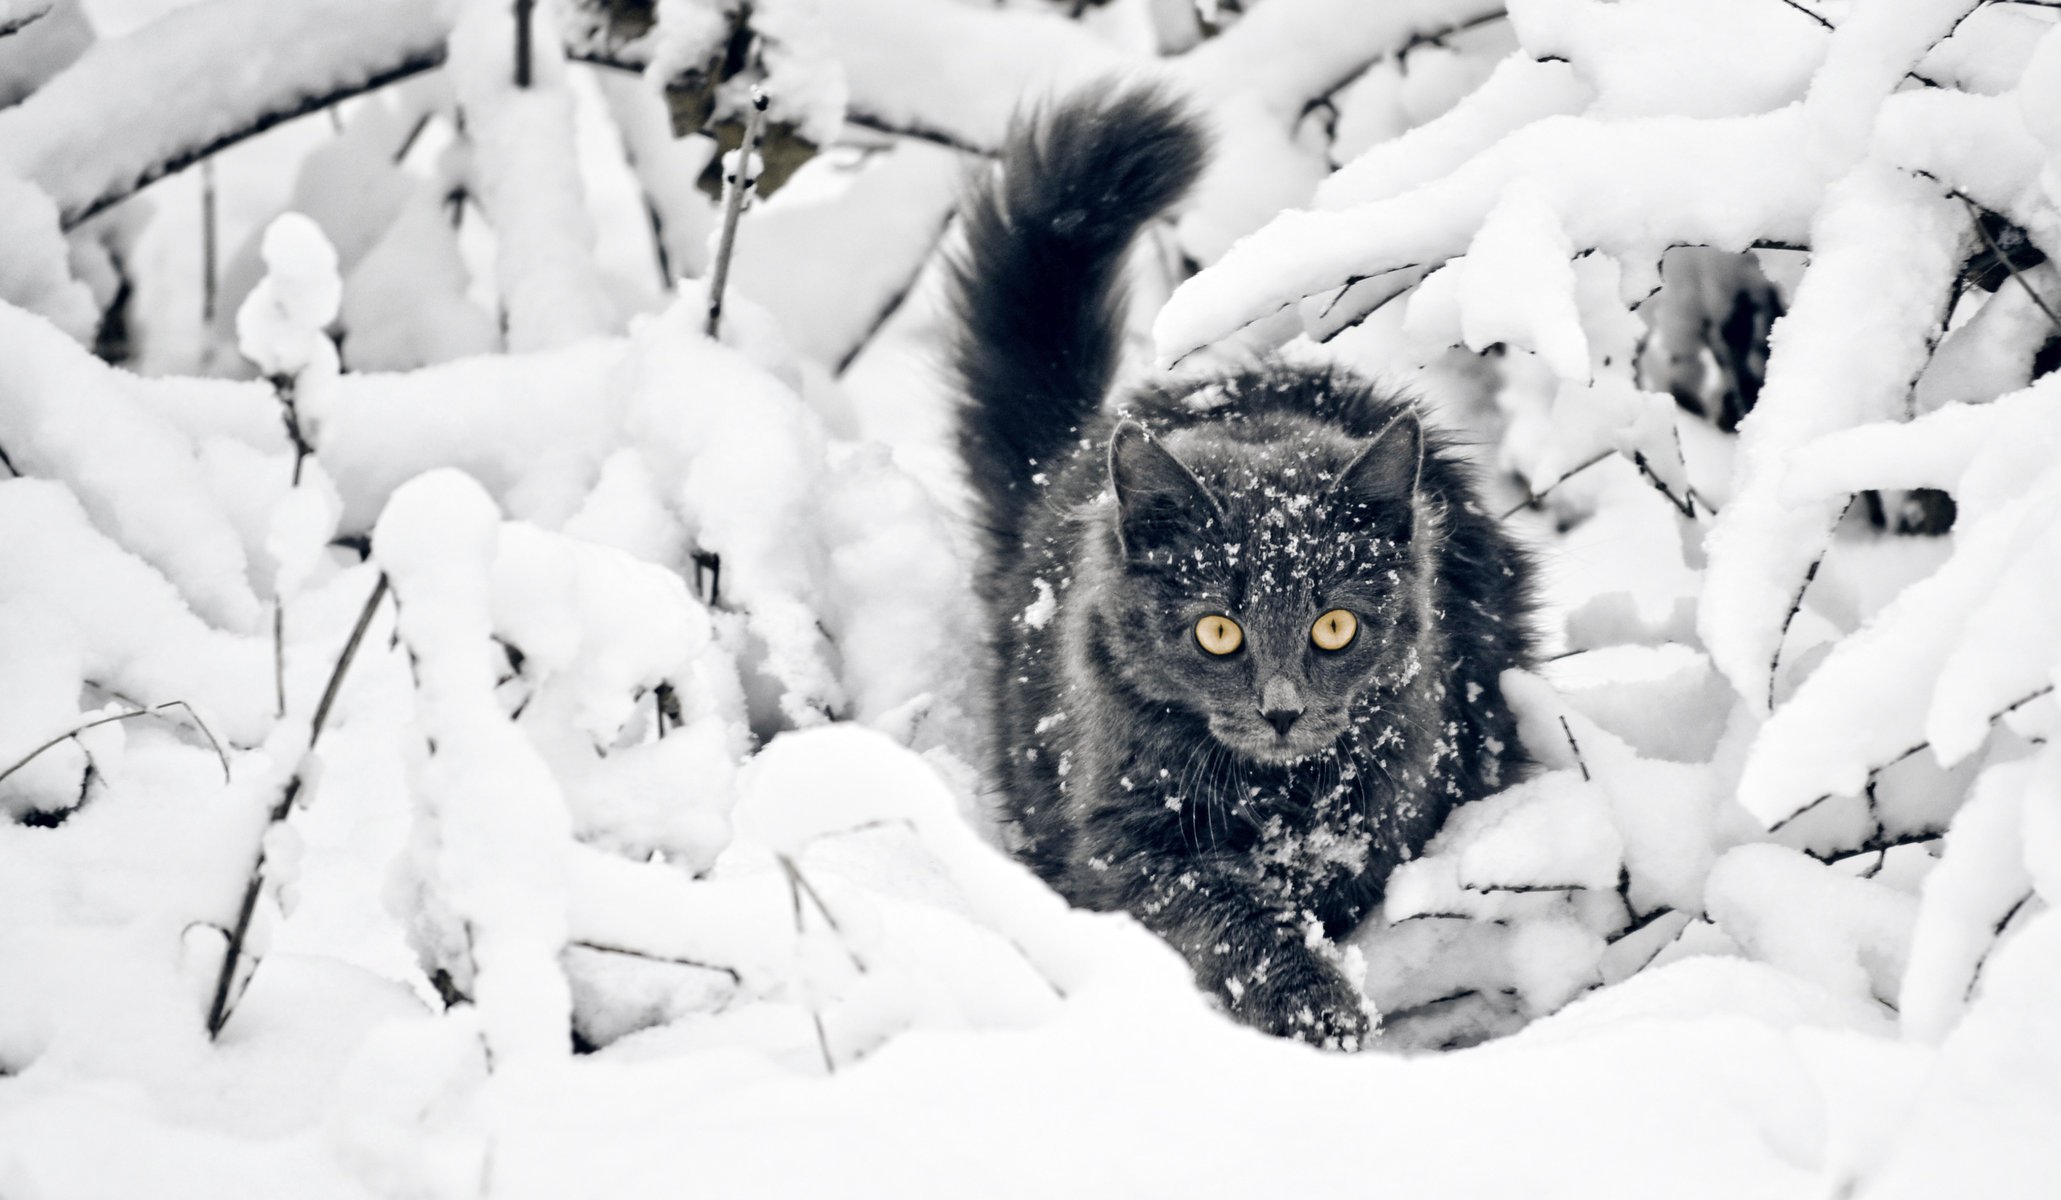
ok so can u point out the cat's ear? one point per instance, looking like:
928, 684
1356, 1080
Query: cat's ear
1389, 468
1388, 471
1156, 494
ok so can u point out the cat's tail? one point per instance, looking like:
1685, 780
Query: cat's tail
1039, 284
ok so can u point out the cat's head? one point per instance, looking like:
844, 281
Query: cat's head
1268, 580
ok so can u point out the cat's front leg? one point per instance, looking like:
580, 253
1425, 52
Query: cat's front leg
1255, 957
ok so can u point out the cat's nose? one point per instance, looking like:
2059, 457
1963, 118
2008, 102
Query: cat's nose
1282, 719
1280, 704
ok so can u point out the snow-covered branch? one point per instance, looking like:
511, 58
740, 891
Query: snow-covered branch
139, 107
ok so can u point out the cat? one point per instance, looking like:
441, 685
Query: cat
1246, 631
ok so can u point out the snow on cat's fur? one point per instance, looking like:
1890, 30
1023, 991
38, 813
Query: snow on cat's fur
1244, 794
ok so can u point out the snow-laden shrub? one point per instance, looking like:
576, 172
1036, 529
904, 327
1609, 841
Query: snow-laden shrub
427, 652
1787, 671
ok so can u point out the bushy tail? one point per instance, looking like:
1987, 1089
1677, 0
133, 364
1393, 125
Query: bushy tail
1039, 286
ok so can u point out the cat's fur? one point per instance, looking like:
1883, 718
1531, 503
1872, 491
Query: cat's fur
1140, 772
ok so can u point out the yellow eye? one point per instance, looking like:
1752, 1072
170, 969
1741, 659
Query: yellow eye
1218, 634
1334, 630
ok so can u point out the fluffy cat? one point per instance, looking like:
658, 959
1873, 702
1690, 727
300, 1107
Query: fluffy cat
1246, 630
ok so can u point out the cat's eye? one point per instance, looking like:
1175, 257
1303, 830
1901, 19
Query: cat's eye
1218, 634
1334, 630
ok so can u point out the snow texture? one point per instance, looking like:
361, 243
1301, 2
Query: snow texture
642, 847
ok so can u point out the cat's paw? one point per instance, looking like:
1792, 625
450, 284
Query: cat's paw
1306, 999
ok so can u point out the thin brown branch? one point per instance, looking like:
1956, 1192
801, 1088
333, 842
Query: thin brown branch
915, 131
209, 226
740, 185
1576, 747
219, 1010
279, 655
524, 10
1531, 497
1996, 935
221, 755
153, 710
1879, 844
668, 959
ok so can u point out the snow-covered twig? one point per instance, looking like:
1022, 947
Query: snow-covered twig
1994, 717
219, 1010
153, 710
1796, 606
136, 108
1996, 932
1877, 844
894, 302
1429, 37
740, 182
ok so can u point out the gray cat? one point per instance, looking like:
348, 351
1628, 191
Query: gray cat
1247, 631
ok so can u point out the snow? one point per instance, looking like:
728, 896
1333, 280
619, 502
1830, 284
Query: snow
136, 104
1760, 548
280, 325
523, 168
1696, 58
489, 847
34, 272
643, 849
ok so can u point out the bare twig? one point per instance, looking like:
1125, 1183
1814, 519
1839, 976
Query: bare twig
895, 302
1878, 844
801, 883
1796, 606
523, 11
279, 653
1990, 242
283, 386
1576, 747
668, 959
1531, 497
916, 132
1996, 935
739, 186
218, 1010
208, 233
221, 755
153, 710
815, 1017
1686, 505
1815, 16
